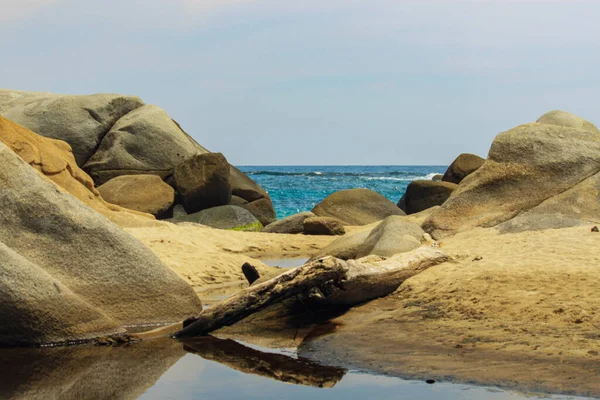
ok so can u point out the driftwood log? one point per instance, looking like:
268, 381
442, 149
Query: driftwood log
283, 368
330, 280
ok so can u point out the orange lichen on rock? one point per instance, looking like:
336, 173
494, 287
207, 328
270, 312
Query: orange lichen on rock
54, 160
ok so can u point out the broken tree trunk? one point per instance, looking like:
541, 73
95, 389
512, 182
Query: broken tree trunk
332, 281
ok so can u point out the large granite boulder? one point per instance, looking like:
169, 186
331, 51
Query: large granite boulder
145, 141
464, 165
262, 209
292, 224
144, 193
563, 118
421, 195
391, 236
323, 226
258, 201
68, 273
222, 217
81, 121
540, 175
203, 182
54, 160
356, 207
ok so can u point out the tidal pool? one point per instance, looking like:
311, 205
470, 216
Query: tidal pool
286, 262
206, 368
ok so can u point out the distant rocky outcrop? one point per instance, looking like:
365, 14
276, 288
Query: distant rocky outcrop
203, 182
292, 224
323, 226
144, 193
68, 273
223, 217
113, 135
392, 236
537, 176
356, 207
464, 165
421, 195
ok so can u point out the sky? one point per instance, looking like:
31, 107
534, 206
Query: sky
318, 82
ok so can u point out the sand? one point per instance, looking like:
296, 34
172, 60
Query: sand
211, 259
511, 310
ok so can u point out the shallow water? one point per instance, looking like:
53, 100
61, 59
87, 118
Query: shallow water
286, 262
206, 368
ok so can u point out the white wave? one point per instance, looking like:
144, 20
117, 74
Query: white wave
318, 173
388, 178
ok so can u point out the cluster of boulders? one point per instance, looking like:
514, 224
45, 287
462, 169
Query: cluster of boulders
124, 144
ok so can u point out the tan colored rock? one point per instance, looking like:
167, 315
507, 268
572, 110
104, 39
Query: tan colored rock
563, 118
356, 207
323, 226
464, 165
143, 193
292, 224
54, 160
92, 277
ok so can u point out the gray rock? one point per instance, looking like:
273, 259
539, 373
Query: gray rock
68, 272
244, 187
464, 165
223, 217
81, 121
323, 226
203, 182
356, 207
145, 141
237, 201
541, 171
145, 193
262, 209
421, 195
563, 118
292, 224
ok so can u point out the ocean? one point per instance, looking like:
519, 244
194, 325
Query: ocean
294, 189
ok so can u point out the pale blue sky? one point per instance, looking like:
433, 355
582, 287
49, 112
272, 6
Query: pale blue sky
318, 82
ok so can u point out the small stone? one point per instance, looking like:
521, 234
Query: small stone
595, 229
430, 381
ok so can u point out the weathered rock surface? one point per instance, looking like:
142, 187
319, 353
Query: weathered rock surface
421, 195
464, 165
144, 193
437, 178
392, 236
81, 121
68, 272
563, 118
292, 224
346, 247
323, 226
356, 207
237, 201
544, 174
223, 217
203, 182
262, 209
54, 160
145, 141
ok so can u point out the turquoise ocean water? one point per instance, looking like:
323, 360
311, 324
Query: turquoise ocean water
299, 188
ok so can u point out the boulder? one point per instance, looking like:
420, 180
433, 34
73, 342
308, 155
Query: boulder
421, 195
144, 193
145, 141
244, 187
54, 160
464, 165
292, 224
68, 273
563, 118
543, 172
237, 201
323, 226
437, 177
223, 217
392, 236
356, 207
81, 121
262, 209
203, 182
346, 247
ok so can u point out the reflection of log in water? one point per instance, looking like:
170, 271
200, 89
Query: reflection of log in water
275, 366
